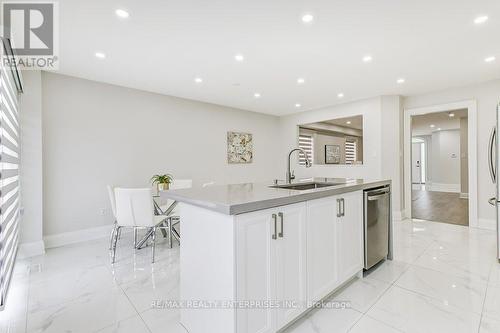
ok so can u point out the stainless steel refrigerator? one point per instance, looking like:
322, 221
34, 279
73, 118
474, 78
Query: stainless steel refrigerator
494, 162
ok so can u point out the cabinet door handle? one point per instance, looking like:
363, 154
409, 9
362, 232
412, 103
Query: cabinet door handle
343, 207
280, 214
275, 219
339, 209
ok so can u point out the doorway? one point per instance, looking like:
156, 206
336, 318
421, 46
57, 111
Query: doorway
440, 181
441, 196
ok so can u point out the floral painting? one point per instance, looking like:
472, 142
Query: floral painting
239, 147
332, 154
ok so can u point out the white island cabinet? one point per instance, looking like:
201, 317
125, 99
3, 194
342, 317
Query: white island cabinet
261, 270
254, 258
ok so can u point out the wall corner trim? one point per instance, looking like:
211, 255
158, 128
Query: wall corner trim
31, 249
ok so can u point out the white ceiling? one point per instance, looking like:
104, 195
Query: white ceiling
421, 125
164, 45
355, 122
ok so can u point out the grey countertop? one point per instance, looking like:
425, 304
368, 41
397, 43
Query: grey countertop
236, 199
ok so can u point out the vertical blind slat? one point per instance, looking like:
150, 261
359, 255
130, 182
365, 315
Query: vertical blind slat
306, 143
9, 177
9, 89
5, 134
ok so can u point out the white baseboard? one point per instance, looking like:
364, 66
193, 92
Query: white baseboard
31, 249
464, 195
487, 224
78, 236
442, 187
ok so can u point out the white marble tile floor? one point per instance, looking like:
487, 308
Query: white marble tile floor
445, 278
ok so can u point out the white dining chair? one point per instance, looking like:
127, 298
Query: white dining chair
135, 209
173, 217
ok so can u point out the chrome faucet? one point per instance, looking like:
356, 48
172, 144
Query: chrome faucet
289, 175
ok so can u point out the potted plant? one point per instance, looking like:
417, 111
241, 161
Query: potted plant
162, 182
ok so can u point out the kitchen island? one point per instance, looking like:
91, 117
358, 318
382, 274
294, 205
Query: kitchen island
255, 257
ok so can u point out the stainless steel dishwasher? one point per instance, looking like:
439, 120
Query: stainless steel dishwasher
377, 214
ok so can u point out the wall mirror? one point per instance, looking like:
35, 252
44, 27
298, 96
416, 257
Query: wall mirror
335, 141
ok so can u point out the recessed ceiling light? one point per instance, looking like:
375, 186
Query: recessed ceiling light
122, 13
481, 19
307, 18
401, 81
451, 115
256, 95
432, 126
367, 58
239, 57
100, 55
439, 128
340, 95
490, 59
198, 80
297, 105
348, 122
301, 80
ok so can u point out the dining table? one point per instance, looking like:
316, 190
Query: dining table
158, 211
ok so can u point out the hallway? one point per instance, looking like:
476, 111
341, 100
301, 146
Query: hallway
440, 206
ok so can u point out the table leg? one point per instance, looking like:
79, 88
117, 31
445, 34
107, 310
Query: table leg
143, 241
163, 232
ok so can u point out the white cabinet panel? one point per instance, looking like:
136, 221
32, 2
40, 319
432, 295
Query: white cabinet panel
290, 262
350, 235
322, 268
271, 268
255, 270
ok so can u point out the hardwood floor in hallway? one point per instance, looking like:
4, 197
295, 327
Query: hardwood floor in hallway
440, 207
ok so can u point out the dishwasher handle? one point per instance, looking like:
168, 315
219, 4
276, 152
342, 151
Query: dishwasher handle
378, 193
378, 196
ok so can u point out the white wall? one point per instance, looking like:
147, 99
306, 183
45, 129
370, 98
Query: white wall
97, 134
30, 105
445, 159
391, 130
487, 96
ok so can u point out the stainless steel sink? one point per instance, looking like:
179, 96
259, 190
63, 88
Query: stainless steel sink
305, 186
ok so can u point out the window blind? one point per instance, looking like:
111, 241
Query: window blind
9, 170
306, 143
350, 151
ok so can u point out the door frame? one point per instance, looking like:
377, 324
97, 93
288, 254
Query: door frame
471, 106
